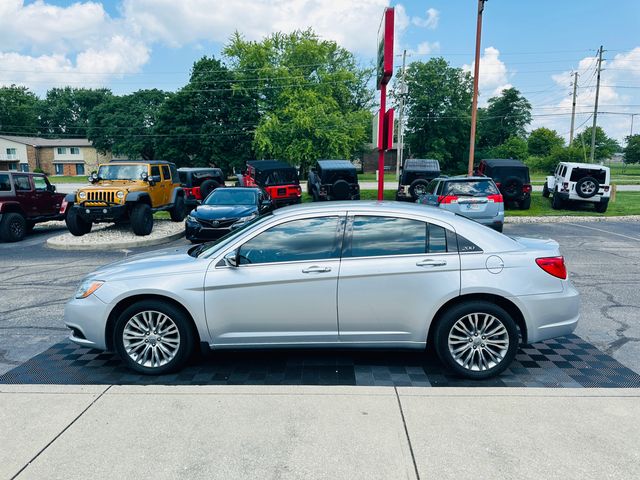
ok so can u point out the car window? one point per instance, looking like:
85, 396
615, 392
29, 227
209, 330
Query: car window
155, 171
166, 175
439, 187
40, 183
22, 183
5, 183
437, 239
467, 246
297, 240
174, 174
474, 188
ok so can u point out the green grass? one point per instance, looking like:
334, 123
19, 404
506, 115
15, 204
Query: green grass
65, 179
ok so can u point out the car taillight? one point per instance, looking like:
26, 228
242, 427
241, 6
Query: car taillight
606, 189
447, 199
565, 185
526, 188
553, 266
495, 198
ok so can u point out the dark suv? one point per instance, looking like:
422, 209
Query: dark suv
27, 199
511, 177
333, 180
279, 179
416, 175
198, 183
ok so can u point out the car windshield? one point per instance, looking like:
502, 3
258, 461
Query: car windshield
231, 197
207, 249
471, 188
121, 172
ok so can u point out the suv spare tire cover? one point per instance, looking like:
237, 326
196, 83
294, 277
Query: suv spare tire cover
418, 187
511, 187
587, 187
207, 187
340, 190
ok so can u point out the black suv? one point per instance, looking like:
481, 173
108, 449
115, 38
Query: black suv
198, 183
511, 177
333, 180
416, 175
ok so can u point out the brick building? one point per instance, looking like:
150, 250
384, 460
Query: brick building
60, 156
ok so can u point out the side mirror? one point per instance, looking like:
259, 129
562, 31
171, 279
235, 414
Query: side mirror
265, 203
144, 176
93, 178
231, 259
51, 188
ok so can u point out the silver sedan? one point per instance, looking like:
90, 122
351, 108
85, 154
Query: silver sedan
355, 274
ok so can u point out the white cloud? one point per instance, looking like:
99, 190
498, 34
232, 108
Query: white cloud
430, 21
425, 48
494, 76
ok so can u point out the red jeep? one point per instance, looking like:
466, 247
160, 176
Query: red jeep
279, 179
27, 199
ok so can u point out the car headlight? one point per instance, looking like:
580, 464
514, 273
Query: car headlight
120, 195
87, 287
82, 195
192, 219
242, 220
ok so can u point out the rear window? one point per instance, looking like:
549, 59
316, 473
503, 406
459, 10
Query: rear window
471, 188
500, 174
183, 177
5, 183
578, 173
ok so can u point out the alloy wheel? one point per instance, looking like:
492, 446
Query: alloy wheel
588, 188
17, 229
151, 338
478, 341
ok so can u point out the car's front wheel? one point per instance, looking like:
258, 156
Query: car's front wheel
153, 337
141, 219
476, 339
77, 225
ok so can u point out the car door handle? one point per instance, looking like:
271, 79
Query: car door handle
428, 262
316, 269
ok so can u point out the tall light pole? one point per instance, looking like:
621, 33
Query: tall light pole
403, 90
595, 109
573, 107
474, 104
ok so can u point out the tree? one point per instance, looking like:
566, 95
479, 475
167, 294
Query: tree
632, 150
210, 121
19, 109
605, 145
438, 109
514, 147
542, 141
65, 111
506, 115
125, 124
284, 71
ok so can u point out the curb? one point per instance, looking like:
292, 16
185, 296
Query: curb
571, 218
58, 243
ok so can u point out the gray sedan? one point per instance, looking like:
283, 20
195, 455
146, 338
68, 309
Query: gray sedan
355, 274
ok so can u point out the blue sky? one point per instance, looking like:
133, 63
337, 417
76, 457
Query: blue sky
534, 46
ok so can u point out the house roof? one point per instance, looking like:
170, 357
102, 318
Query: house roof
49, 142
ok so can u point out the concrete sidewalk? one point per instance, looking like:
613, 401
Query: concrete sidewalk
317, 432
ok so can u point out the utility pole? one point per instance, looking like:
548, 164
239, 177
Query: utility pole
474, 104
595, 109
632, 115
403, 91
573, 107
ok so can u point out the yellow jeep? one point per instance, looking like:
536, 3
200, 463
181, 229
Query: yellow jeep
126, 190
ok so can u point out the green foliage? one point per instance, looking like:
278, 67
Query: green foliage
573, 153
632, 150
125, 124
210, 121
19, 111
505, 116
65, 111
542, 141
38, 170
438, 106
545, 164
513, 147
605, 145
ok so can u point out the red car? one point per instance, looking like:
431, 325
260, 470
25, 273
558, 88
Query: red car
27, 199
279, 179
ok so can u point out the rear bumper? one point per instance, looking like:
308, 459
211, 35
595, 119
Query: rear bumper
282, 202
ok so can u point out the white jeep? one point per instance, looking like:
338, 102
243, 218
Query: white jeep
579, 182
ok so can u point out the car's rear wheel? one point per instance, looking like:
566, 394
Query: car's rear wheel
77, 225
587, 187
545, 190
207, 187
556, 202
340, 190
418, 188
601, 207
525, 204
13, 227
153, 337
141, 219
177, 213
476, 339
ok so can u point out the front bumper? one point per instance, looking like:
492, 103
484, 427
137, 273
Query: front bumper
105, 213
550, 315
87, 320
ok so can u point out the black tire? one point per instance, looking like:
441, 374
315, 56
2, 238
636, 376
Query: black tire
185, 337
30, 224
499, 228
545, 190
457, 313
340, 190
141, 219
207, 187
13, 227
178, 213
77, 225
602, 206
556, 202
587, 187
525, 204
511, 188
418, 187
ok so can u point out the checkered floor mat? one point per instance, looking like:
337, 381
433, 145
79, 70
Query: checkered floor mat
567, 362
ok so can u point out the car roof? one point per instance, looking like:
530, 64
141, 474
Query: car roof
197, 169
584, 165
336, 165
255, 189
458, 178
427, 164
145, 162
265, 165
503, 162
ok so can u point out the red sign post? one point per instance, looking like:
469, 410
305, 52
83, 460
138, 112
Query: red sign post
385, 71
